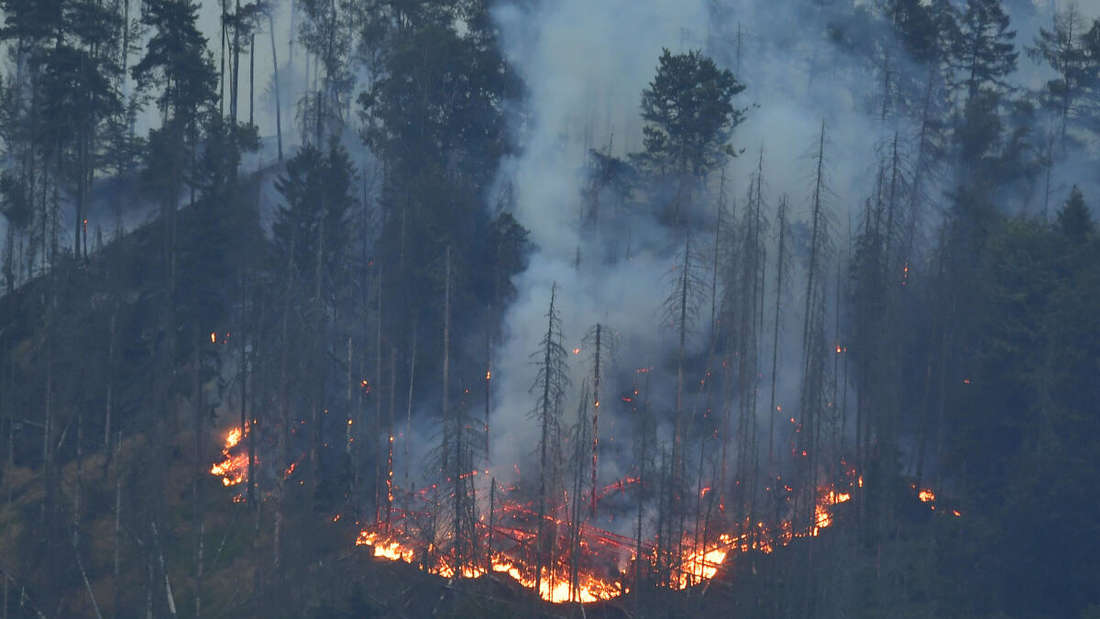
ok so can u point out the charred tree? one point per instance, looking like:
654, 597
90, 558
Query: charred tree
550, 383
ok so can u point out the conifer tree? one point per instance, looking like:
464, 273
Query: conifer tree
690, 118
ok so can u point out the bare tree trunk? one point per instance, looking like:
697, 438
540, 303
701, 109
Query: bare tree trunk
409, 407
110, 385
781, 220
544, 439
389, 435
164, 571
116, 563
235, 64
221, 70
87, 584
596, 418
642, 479
196, 493
492, 523
488, 390
278, 92
47, 434
377, 424
446, 357
350, 412
252, 79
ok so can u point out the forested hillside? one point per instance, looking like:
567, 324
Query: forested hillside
626, 308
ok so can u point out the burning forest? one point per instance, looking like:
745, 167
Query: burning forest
582, 562
549, 308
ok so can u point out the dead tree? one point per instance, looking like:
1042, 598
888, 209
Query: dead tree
551, 381
681, 310
781, 268
579, 437
813, 339
601, 343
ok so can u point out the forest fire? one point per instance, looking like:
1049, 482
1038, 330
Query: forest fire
233, 469
604, 562
585, 563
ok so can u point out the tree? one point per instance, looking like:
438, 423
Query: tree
811, 391
1074, 220
690, 119
984, 52
551, 381
915, 24
1063, 49
311, 228
327, 34
176, 61
18, 212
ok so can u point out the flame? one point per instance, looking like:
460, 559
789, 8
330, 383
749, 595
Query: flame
601, 561
700, 565
700, 560
233, 469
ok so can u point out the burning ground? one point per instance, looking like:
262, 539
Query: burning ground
586, 564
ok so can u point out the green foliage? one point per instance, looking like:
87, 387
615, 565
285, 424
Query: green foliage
1063, 49
1024, 416
1074, 220
176, 60
983, 54
689, 114
311, 227
915, 23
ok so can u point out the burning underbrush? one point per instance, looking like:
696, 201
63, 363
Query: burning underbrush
578, 560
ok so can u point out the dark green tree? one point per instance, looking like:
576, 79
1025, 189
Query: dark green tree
690, 117
1062, 48
179, 65
984, 53
1074, 220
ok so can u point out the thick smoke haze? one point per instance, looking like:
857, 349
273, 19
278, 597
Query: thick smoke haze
585, 66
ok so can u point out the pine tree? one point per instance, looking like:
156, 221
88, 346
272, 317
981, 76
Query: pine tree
984, 53
690, 119
1062, 49
1074, 219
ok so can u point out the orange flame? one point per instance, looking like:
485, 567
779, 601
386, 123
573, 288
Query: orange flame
233, 469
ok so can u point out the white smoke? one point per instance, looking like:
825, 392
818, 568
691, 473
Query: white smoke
585, 65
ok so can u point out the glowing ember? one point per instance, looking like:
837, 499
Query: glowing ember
926, 495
